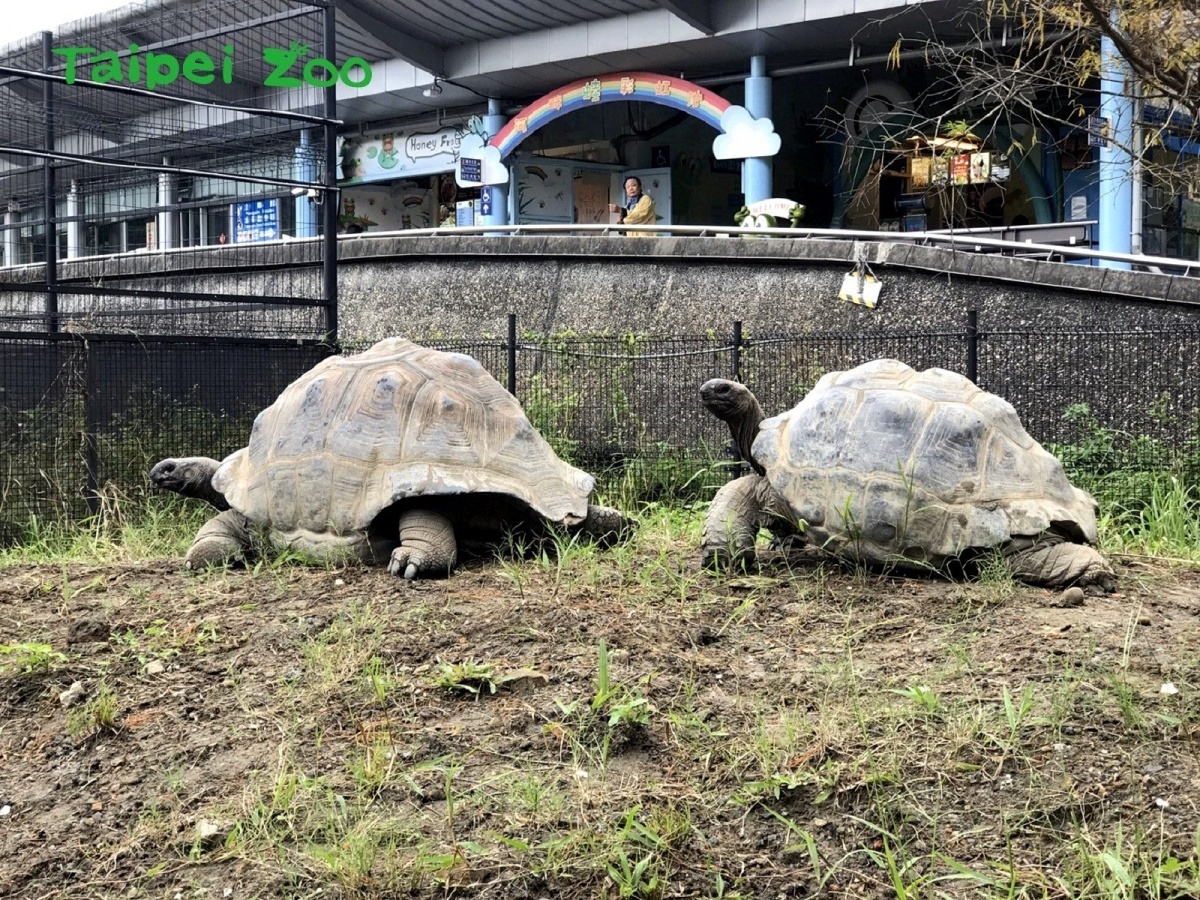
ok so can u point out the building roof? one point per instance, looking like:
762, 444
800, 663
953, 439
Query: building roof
469, 50
513, 50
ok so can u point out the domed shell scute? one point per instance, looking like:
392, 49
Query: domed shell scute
886, 430
945, 461
883, 461
357, 433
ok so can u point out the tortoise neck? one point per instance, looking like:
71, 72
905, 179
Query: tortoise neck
745, 430
214, 497
201, 486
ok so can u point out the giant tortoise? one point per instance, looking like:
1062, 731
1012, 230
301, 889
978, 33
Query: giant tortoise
884, 464
396, 455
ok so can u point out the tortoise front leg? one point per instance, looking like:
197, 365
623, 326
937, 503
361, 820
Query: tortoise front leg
738, 511
732, 524
605, 525
221, 540
427, 545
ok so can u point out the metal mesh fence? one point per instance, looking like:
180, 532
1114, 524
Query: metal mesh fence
77, 414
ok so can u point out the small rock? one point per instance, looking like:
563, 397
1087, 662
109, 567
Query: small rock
5, 810
87, 629
1072, 596
71, 695
97, 806
210, 834
1143, 620
154, 667
338, 582
1168, 687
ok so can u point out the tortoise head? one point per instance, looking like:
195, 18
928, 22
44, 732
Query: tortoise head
728, 400
190, 476
735, 405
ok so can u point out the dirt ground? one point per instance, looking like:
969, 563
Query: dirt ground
295, 731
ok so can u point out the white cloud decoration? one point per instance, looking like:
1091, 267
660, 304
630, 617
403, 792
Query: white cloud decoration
744, 136
493, 171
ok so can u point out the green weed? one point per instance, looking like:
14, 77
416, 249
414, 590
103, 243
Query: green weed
29, 657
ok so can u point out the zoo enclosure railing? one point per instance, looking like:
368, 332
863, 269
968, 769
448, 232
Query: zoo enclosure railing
82, 414
94, 167
1058, 243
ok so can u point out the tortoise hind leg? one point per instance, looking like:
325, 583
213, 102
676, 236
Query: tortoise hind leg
427, 545
1054, 562
221, 540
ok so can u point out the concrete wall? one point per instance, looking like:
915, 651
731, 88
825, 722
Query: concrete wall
466, 286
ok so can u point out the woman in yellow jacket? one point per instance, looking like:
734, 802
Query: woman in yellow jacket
639, 208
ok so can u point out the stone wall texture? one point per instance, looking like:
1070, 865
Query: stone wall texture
467, 286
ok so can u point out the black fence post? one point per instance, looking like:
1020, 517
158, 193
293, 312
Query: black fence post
973, 346
91, 450
511, 347
48, 199
737, 350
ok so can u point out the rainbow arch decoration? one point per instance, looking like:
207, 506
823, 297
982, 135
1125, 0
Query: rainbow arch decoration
646, 87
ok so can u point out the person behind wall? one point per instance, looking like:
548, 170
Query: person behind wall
638, 210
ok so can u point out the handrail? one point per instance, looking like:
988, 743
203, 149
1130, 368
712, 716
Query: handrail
956, 241
1020, 229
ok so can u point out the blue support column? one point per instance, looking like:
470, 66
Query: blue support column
498, 215
304, 168
1116, 161
756, 171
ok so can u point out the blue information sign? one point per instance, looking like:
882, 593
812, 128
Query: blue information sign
256, 220
472, 169
485, 201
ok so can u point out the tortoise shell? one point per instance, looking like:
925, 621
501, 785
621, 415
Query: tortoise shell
357, 433
884, 460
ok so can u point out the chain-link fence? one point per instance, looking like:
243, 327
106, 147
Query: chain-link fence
81, 413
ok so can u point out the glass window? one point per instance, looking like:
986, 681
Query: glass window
34, 241
287, 215
104, 238
218, 223
135, 234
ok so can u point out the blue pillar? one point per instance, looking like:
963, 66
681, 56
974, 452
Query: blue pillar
492, 123
1116, 162
304, 168
756, 171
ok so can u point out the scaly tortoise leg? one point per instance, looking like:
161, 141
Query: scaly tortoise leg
1054, 562
427, 545
223, 539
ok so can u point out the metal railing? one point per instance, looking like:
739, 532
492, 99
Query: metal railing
966, 240
951, 240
